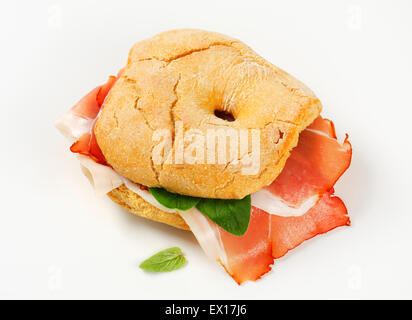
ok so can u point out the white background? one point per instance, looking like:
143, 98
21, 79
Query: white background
58, 240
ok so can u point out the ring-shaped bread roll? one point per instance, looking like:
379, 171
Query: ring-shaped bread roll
202, 81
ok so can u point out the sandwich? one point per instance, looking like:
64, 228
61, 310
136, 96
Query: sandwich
201, 133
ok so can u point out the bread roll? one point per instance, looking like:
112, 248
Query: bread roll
133, 203
191, 77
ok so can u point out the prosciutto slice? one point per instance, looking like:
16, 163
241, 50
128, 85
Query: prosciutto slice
288, 232
297, 206
249, 256
305, 186
77, 125
85, 112
314, 165
270, 237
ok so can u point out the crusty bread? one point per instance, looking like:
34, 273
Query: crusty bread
186, 75
133, 203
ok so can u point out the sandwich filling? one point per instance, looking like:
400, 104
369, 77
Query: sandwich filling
298, 205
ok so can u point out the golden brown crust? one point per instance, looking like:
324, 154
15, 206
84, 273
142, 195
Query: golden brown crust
185, 75
133, 203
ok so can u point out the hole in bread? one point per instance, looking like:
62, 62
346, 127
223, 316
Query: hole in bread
224, 115
280, 136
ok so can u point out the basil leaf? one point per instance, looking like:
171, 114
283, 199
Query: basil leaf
231, 215
173, 200
165, 261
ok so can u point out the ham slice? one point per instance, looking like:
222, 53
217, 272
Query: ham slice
312, 169
77, 125
249, 256
288, 232
314, 165
87, 145
85, 112
303, 194
270, 237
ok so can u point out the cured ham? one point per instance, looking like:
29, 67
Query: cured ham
314, 165
249, 256
297, 206
86, 112
312, 169
270, 236
87, 145
288, 232
77, 125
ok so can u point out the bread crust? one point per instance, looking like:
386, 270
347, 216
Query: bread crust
135, 204
185, 75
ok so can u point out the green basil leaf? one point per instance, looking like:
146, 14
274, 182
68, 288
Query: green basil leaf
173, 200
165, 261
231, 215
